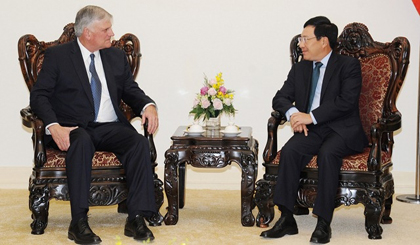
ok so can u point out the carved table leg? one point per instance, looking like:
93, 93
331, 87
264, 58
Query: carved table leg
171, 187
248, 163
39, 205
181, 185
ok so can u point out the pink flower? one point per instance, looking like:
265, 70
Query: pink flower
218, 104
205, 103
204, 90
212, 91
223, 89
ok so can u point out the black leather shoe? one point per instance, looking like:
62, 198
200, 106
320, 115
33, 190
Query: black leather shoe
284, 226
138, 230
81, 233
322, 232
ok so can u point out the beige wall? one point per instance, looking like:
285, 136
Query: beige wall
246, 40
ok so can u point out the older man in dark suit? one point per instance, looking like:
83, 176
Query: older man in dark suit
77, 95
320, 98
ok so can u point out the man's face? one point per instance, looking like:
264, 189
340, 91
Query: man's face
100, 34
312, 49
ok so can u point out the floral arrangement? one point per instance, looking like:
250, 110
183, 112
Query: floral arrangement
213, 100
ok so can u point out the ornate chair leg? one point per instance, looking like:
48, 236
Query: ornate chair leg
264, 201
39, 202
386, 218
122, 207
374, 207
156, 220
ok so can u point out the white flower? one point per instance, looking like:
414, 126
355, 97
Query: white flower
212, 91
218, 104
205, 103
227, 101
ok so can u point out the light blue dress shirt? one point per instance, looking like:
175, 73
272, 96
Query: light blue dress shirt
317, 97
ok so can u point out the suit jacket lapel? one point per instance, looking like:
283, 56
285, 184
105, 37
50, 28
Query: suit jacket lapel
307, 76
110, 81
332, 63
112, 86
79, 66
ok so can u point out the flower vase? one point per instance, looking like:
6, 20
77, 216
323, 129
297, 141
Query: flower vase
213, 123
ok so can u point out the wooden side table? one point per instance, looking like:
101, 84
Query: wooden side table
210, 150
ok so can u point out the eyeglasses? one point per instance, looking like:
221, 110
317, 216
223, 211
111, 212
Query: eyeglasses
304, 39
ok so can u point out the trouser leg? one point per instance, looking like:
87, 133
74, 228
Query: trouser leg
330, 159
78, 169
295, 155
132, 149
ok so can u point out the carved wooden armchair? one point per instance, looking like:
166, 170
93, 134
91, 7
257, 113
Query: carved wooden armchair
48, 179
366, 177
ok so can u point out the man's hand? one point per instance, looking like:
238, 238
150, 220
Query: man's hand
61, 135
299, 120
300, 129
151, 115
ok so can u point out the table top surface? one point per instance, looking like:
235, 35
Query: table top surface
182, 134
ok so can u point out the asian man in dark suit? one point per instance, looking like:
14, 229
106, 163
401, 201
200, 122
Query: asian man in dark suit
82, 120
325, 122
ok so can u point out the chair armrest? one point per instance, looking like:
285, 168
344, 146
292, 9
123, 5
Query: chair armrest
382, 138
270, 150
130, 115
30, 120
153, 153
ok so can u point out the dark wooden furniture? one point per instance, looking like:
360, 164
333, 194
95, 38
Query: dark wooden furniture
210, 150
366, 177
48, 179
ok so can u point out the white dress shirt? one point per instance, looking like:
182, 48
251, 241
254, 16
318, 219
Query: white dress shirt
106, 110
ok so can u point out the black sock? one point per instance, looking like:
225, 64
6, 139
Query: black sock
285, 212
324, 220
82, 213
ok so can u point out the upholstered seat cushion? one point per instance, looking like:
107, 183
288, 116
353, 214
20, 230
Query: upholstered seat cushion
357, 162
56, 159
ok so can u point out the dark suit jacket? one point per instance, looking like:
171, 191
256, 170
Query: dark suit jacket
339, 105
62, 92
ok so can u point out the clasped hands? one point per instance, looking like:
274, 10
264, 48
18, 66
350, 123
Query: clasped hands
299, 120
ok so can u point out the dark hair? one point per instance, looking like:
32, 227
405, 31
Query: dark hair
323, 28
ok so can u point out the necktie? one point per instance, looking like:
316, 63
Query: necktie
95, 85
315, 77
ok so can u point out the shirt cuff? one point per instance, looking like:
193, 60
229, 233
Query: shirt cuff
313, 118
147, 105
47, 132
290, 112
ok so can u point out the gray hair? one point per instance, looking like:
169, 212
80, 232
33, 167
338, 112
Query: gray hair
87, 15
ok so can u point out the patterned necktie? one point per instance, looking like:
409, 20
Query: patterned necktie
315, 77
95, 85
